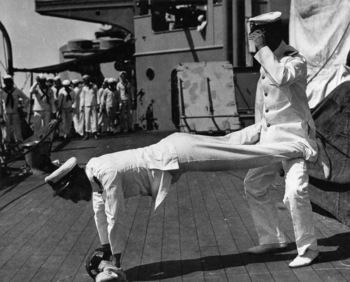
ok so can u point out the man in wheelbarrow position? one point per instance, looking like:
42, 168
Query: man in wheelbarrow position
109, 179
151, 170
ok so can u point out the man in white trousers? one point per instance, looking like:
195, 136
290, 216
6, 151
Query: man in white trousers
88, 105
44, 107
149, 171
283, 112
10, 97
66, 96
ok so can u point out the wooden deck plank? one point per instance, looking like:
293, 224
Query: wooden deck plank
191, 264
283, 276
245, 235
55, 249
151, 256
82, 275
306, 274
200, 233
21, 257
42, 253
260, 277
136, 241
170, 267
13, 241
75, 258
19, 230
16, 210
212, 265
218, 205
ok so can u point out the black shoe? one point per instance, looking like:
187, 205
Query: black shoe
86, 137
268, 248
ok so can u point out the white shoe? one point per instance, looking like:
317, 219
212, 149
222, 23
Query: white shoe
305, 259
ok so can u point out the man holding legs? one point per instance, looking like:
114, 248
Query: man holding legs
283, 111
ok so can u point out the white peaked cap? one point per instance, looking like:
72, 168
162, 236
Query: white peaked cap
59, 180
266, 18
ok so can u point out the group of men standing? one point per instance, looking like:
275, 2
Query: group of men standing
115, 96
94, 110
79, 103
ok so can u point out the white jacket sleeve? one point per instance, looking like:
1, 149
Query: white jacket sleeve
282, 72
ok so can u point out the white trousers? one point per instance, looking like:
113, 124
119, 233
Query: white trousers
90, 119
41, 119
296, 199
66, 123
78, 121
125, 115
12, 125
102, 120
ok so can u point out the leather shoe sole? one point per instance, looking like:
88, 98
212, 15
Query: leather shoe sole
268, 248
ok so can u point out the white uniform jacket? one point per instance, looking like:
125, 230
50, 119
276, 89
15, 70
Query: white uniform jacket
281, 101
43, 99
125, 90
89, 96
16, 94
64, 102
110, 99
125, 174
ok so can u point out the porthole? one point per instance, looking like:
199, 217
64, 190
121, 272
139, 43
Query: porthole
150, 74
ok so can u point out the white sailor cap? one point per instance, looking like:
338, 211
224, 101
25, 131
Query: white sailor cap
66, 82
7, 77
111, 80
266, 18
75, 81
86, 76
61, 177
57, 78
42, 77
122, 73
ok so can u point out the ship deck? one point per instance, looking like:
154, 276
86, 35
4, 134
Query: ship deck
200, 233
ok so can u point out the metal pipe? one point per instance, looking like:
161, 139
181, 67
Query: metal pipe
235, 33
227, 29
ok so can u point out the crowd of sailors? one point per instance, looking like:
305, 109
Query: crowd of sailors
83, 108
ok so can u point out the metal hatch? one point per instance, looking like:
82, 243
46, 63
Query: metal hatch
207, 98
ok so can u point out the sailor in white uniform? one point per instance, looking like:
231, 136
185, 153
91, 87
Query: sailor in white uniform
283, 112
149, 171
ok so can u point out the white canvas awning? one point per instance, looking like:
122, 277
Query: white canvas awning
320, 30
